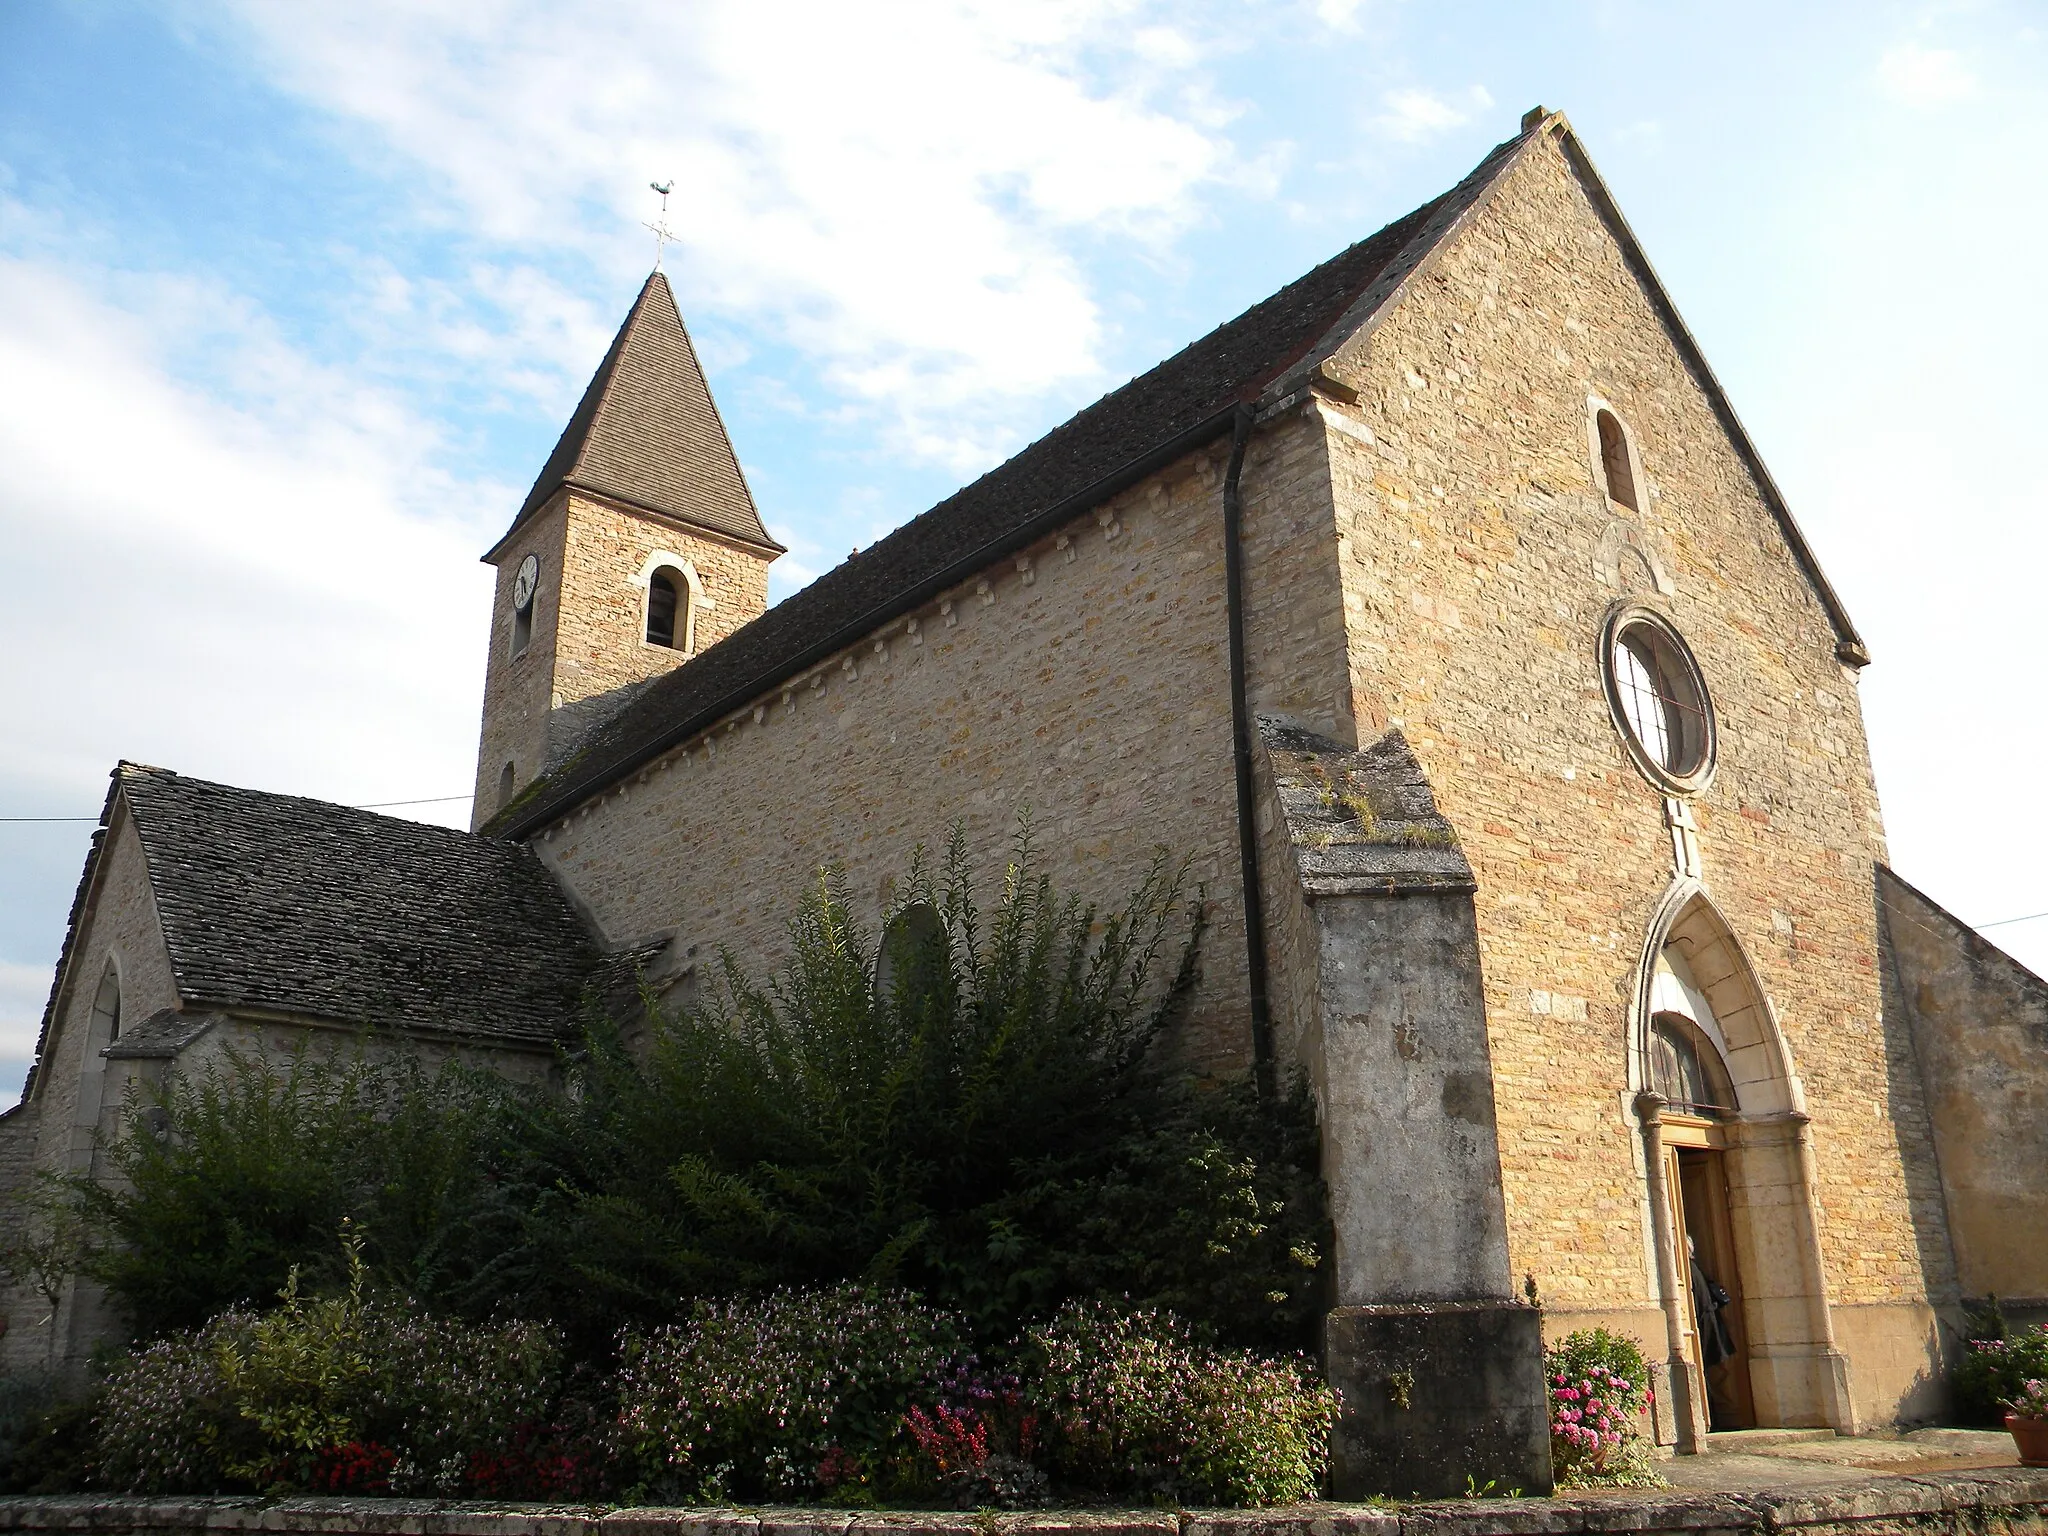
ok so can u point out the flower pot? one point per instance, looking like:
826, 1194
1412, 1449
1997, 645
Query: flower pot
2031, 1436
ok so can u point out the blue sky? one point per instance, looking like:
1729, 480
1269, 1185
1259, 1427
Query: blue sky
294, 299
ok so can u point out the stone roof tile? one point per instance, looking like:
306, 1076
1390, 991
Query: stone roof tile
272, 902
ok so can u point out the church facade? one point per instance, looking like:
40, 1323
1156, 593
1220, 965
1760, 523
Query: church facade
1439, 610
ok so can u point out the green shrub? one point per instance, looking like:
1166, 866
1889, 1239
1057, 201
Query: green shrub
253, 1166
1579, 1351
985, 1126
1992, 1370
45, 1435
1135, 1404
781, 1396
983, 1122
347, 1392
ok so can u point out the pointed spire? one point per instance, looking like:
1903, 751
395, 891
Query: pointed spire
648, 433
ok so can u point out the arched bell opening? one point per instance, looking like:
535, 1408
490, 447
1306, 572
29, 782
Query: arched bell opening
1728, 1177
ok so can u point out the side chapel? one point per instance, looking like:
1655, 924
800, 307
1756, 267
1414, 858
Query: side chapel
1441, 609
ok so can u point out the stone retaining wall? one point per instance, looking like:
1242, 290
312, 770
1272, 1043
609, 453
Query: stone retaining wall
2001, 1501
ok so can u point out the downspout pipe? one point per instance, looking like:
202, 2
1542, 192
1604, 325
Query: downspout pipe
1241, 757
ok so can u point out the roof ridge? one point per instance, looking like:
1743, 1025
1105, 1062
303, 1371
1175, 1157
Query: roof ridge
129, 772
1167, 411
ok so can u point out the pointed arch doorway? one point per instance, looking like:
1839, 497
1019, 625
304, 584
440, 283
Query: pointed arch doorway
1728, 1181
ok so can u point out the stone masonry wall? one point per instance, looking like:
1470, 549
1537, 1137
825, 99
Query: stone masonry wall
1085, 682
119, 926
1471, 530
518, 689
600, 644
589, 628
1980, 1026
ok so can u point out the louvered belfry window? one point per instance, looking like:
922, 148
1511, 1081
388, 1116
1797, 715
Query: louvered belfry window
661, 609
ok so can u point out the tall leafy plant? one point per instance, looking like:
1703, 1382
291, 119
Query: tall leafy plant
970, 1105
976, 1104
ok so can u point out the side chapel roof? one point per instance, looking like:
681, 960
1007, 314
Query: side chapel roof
277, 904
1158, 417
648, 433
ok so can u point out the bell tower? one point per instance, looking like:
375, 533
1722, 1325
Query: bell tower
638, 547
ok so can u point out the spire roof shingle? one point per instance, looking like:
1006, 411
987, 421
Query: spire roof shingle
648, 433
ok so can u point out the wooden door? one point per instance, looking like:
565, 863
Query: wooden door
1703, 1197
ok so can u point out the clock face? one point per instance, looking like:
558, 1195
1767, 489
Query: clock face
527, 579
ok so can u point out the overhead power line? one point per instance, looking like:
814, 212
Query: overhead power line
2004, 920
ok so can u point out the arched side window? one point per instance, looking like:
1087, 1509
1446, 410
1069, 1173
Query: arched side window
106, 1008
668, 608
1617, 468
1686, 1068
505, 781
915, 955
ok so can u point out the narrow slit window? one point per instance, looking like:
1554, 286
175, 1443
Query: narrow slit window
1614, 461
505, 778
664, 607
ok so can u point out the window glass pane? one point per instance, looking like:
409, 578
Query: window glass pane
1679, 1071
1642, 702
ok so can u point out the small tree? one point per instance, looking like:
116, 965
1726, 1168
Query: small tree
45, 1242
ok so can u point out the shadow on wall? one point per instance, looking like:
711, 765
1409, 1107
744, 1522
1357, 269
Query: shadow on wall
1967, 1039
1925, 1394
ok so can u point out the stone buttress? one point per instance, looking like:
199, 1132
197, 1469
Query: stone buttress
1440, 1367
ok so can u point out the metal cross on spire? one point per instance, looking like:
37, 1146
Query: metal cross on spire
662, 233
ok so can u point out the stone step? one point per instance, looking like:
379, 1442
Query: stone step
1724, 1441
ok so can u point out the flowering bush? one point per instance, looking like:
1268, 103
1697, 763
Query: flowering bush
974, 1441
354, 1468
1133, 1403
2031, 1402
785, 1395
1992, 1371
845, 1395
345, 1393
1598, 1383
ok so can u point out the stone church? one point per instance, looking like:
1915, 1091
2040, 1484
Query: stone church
1441, 611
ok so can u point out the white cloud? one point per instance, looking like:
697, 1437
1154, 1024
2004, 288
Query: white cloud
263, 580
1413, 115
895, 192
1339, 15
1925, 77
24, 989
